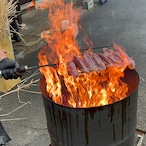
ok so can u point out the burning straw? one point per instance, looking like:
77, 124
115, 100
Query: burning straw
81, 79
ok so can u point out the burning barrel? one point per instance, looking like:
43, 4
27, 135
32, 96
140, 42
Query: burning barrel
110, 125
90, 98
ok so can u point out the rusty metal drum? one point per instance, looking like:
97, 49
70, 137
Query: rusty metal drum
109, 125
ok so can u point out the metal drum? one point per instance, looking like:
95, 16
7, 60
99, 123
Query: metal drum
110, 125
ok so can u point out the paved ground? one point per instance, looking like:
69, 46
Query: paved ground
122, 21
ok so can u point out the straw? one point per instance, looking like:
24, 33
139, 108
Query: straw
6, 9
24, 87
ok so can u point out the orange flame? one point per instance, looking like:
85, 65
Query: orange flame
30, 5
87, 89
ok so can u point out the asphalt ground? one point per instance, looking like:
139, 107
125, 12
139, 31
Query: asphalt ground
121, 21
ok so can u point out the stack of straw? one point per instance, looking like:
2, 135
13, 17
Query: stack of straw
6, 9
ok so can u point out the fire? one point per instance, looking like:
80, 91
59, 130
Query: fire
82, 87
31, 4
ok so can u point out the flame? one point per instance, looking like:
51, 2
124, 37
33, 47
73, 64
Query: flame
87, 89
30, 5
